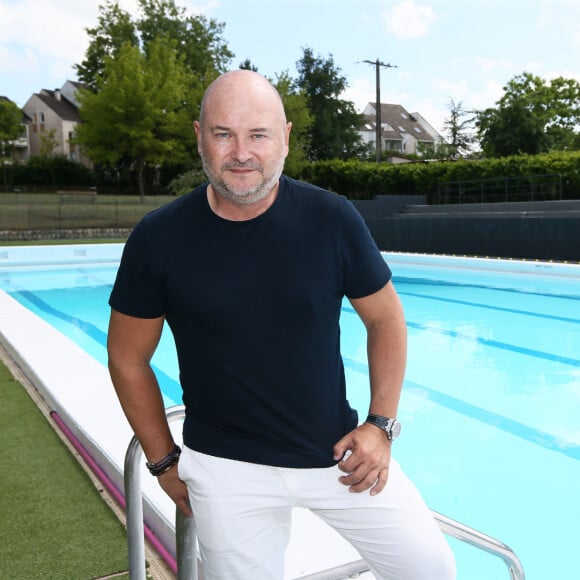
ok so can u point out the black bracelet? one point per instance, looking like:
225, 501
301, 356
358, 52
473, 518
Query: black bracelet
165, 464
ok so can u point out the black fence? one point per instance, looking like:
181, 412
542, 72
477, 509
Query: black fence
522, 188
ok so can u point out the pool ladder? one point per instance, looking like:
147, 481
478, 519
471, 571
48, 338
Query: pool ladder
186, 560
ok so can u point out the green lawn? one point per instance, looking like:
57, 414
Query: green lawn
55, 524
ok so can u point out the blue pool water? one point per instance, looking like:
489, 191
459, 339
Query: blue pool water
490, 407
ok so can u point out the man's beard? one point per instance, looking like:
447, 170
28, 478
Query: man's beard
244, 196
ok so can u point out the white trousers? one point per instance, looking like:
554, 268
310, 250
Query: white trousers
242, 515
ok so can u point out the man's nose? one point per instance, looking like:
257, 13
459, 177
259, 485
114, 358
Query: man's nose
241, 150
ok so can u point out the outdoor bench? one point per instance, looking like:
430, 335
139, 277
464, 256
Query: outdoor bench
74, 195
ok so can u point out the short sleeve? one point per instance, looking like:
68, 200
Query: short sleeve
137, 290
363, 267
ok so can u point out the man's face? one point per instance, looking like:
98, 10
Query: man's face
243, 144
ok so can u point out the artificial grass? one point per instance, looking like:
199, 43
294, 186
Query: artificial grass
54, 525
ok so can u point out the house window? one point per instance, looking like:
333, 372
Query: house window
417, 129
42, 117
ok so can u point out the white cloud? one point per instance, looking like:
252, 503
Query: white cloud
486, 96
360, 92
29, 35
487, 64
408, 19
456, 90
205, 8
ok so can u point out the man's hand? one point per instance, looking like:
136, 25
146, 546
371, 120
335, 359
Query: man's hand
367, 464
176, 490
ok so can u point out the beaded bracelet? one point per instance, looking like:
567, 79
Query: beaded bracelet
165, 464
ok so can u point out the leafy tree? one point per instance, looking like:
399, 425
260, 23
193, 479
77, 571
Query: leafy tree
247, 65
511, 130
10, 129
459, 127
142, 112
547, 114
115, 29
296, 106
48, 143
335, 121
556, 103
197, 39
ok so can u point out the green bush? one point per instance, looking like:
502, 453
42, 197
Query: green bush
364, 180
49, 173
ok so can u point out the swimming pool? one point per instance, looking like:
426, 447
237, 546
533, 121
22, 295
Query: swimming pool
490, 405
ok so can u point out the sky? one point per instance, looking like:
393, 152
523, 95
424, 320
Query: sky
438, 50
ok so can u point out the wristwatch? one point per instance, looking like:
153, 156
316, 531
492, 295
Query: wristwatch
391, 427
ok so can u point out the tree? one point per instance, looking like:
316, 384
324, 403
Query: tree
459, 127
197, 40
115, 29
48, 143
335, 121
142, 112
549, 113
10, 129
296, 107
247, 65
511, 130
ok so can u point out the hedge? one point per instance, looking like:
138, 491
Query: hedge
364, 180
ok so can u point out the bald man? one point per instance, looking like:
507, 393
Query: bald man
249, 271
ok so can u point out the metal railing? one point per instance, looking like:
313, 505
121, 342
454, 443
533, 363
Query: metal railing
186, 552
501, 189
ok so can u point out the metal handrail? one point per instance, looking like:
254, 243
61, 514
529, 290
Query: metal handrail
184, 527
483, 542
186, 540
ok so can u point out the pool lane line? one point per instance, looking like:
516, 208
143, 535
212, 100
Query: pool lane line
479, 285
491, 307
489, 342
170, 387
566, 360
482, 415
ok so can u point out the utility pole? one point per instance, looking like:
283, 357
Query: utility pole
378, 64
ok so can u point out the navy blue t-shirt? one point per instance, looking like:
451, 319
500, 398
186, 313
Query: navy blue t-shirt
254, 308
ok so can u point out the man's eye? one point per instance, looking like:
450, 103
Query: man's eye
258, 136
222, 135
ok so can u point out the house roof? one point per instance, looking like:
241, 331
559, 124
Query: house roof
396, 121
59, 104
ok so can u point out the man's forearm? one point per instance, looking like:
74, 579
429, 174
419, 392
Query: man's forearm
140, 397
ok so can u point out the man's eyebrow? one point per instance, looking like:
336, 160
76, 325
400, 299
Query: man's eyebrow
228, 129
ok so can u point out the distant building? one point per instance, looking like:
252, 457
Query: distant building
401, 131
20, 148
56, 111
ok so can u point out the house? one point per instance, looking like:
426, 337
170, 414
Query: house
57, 112
401, 131
19, 150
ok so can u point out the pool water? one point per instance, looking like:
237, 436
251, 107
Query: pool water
490, 406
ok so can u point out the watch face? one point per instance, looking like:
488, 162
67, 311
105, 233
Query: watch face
395, 429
